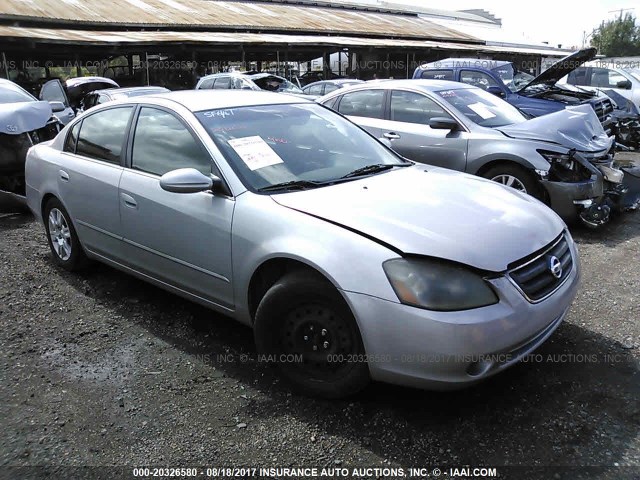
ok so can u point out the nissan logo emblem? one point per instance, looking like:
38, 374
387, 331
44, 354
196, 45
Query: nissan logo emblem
555, 266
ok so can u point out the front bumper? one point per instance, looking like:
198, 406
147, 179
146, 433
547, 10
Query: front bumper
567, 199
447, 350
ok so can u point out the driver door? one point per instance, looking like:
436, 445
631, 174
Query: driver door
182, 239
53, 91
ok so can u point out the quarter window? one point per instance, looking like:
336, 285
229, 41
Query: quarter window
102, 134
162, 143
412, 107
363, 103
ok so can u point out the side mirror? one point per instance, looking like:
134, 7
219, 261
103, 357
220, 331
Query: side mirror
624, 84
443, 123
57, 106
497, 91
187, 180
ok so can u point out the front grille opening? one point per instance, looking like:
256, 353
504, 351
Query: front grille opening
542, 275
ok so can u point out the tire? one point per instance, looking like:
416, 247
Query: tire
62, 237
517, 177
302, 311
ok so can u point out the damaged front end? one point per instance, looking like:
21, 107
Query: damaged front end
591, 188
24, 124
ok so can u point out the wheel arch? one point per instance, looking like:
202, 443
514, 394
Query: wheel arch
270, 271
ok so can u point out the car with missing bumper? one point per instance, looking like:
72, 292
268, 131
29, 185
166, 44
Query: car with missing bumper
289, 218
465, 128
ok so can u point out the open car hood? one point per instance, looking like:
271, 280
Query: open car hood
22, 117
563, 67
574, 127
436, 212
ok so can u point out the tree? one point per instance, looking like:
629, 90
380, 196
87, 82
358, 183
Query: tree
617, 38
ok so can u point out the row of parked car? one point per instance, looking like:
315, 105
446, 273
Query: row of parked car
329, 226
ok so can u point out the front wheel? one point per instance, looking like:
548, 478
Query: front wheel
305, 326
516, 177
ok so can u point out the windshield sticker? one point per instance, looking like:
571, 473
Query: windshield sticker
255, 152
227, 112
447, 93
482, 110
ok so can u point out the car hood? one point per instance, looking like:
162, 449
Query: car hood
21, 117
436, 212
574, 127
563, 67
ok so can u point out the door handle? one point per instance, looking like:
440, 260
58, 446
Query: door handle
391, 135
64, 176
128, 200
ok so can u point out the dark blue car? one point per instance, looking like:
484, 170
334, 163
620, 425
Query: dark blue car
535, 96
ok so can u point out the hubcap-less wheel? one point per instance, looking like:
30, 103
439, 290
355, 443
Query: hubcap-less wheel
510, 181
318, 334
60, 234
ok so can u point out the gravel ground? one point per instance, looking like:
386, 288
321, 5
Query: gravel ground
102, 369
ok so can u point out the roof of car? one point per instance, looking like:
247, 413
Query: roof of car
126, 90
464, 62
429, 85
199, 100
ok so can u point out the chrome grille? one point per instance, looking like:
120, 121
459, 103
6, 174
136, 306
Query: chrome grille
534, 277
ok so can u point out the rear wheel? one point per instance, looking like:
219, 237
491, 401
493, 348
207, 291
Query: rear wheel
307, 329
516, 177
62, 237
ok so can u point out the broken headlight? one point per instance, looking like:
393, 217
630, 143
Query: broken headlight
564, 167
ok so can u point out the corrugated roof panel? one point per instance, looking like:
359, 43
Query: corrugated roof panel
223, 15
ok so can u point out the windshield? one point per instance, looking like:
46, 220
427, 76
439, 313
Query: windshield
10, 93
271, 144
513, 79
481, 107
634, 72
274, 83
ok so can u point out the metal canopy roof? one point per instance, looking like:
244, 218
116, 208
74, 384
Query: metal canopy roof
141, 38
257, 17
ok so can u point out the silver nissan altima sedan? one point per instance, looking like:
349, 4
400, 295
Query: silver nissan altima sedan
349, 262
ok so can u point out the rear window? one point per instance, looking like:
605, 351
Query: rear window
437, 74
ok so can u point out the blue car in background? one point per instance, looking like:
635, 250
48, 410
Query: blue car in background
534, 96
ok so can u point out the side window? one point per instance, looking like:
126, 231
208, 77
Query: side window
208, 83
331, 103
222, 82
102, 134
578, 76
72, 138
162, 143
52, 92
438, 74
603, 77
237, 83
363, 103
477, 79
315, 89
412, 107
329, 87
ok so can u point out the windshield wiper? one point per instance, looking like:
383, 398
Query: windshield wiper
369, 169
291, 185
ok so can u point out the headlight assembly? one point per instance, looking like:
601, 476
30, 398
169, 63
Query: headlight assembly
438, 285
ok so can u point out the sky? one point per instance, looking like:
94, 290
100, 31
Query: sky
553, 21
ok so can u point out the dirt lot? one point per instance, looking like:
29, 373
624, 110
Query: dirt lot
103, 369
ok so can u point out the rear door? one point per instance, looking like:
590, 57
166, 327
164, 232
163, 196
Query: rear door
407, 127
364, 107
53, 91
88, 181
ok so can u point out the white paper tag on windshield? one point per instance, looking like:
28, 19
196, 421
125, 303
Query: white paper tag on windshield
255, 152
482, 110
